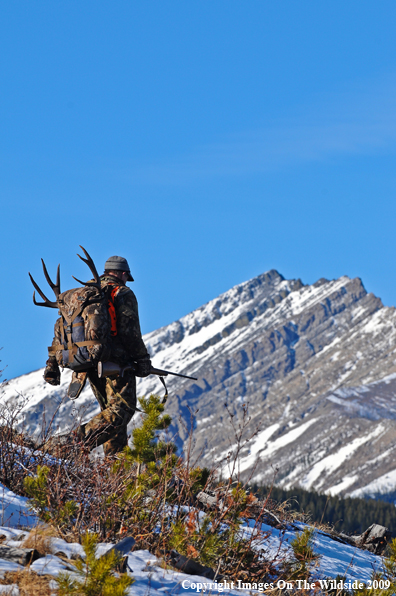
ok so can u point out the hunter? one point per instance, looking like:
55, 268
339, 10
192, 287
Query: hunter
116, 394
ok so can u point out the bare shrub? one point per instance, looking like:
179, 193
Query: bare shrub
19, 455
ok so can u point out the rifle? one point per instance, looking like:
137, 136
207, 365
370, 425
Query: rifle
107, 369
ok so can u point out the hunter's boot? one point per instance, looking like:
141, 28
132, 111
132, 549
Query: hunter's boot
76, 385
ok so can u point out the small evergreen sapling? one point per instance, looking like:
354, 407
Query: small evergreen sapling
148, 448
96, 576
304, 556
195, 539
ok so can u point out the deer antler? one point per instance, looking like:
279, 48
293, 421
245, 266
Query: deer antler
92, 267
55, 288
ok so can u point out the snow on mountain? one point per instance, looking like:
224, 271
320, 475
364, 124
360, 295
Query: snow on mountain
316, 365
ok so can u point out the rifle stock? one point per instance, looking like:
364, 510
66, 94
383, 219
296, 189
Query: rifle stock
108, 369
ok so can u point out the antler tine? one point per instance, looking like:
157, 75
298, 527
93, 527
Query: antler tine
58, 278
43, 296
55, 287
85, 283
92, 267
48, 303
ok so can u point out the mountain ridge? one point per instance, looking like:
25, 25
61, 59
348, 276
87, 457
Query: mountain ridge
314, 362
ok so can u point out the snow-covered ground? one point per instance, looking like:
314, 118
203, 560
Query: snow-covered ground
336, 559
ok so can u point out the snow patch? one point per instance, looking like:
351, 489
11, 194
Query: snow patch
263, 449
14, 510
330, 463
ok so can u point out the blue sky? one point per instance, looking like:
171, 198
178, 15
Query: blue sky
207, 142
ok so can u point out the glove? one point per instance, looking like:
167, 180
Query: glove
52, 372
143, 366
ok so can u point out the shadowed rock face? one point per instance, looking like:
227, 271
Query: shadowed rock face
313, 363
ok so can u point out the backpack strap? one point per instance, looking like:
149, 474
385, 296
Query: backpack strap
112, 312
80, 344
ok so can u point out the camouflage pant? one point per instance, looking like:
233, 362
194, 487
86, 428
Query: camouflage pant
117, 400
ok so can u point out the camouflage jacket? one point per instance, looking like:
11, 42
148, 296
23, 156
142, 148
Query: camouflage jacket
127, 344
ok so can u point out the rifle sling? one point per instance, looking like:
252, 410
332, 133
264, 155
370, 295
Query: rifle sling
166, 390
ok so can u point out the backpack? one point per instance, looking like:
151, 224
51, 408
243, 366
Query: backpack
83, 332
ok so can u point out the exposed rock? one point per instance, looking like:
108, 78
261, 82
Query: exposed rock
124, 546
22, 556
374, 539
208, 501
192, 567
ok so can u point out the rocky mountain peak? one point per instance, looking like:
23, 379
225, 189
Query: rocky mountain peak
316, 365
251, 298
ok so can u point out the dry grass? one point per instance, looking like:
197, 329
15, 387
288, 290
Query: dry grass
28, 582
40, 539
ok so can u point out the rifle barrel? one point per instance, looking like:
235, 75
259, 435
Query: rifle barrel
111, 368
164, 373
